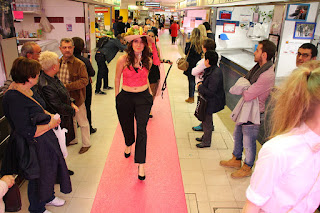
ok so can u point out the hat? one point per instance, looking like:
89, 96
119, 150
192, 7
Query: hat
223, 36
130, 38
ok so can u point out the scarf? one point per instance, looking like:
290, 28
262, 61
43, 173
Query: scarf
256, 71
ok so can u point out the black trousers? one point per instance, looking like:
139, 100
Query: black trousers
173, 40
132, 105
102, 71
88, 101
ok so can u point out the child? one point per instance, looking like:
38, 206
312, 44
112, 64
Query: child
211, 88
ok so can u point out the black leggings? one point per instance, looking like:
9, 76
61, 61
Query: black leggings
136, 105
173, 40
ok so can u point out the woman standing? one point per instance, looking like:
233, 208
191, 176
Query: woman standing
286, 176
211, 88
194, 51
32, 142
134, 100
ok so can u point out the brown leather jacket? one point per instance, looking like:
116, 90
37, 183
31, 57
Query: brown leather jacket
78, 77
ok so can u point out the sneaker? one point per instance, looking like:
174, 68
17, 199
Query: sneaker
100, 93
56, 202
197, 128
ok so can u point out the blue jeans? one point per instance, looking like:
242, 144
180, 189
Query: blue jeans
246, 136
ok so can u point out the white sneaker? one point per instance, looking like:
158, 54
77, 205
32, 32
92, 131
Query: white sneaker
46, 211
56, 202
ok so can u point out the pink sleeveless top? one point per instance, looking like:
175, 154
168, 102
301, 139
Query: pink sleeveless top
133, 78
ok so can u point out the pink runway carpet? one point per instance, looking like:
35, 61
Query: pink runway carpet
120, 190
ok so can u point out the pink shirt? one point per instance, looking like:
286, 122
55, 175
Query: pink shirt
287, 167
133, 78
261, 88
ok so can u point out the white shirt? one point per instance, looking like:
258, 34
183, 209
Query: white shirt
287, 169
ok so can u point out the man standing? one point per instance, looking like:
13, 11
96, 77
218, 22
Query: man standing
30, 50
106, 53
128, 24
74, 76
120, 27
261, 78
306, 52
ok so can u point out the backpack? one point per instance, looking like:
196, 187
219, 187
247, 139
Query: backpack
102, 41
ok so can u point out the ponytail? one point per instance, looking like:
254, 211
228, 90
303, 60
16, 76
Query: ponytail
295, 100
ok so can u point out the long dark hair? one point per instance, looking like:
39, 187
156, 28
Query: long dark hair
145, 58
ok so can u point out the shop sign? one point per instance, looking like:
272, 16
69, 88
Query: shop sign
140, 3
191, 3
101, 10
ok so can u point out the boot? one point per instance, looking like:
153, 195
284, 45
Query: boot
232, 163
190, 100
245, 171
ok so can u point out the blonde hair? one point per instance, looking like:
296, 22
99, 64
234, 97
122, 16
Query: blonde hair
296, 99
47, 59
195, 40
203, 31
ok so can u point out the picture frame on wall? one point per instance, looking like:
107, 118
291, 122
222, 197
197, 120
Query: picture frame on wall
304, 30
275, 39
229, 27
297, 12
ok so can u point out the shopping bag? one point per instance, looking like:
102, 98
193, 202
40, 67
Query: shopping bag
61, 135
201, 108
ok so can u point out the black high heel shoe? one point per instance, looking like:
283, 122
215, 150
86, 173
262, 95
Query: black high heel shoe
127, 155
141, 177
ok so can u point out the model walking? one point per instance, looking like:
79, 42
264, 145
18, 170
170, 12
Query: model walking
134, 100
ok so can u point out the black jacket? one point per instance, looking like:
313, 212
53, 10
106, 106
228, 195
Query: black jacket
193, 58
35, 158
212, 89
57, 100
111, 48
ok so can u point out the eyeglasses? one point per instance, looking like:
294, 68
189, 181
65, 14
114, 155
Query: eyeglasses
304, 55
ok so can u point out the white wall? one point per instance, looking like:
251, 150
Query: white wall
57, 8
239, 39
69, 10
286, 60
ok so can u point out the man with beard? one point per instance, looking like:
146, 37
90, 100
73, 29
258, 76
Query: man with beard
258, 84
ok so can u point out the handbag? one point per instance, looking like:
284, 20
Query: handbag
182, 63
201, 108
12, 199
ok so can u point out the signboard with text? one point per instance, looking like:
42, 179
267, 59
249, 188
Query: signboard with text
140, 3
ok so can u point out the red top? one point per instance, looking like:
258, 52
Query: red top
135, 77
174, 30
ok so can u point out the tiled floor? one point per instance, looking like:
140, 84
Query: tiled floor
208, 186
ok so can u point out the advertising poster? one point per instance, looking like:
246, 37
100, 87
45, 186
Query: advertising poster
6, 19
